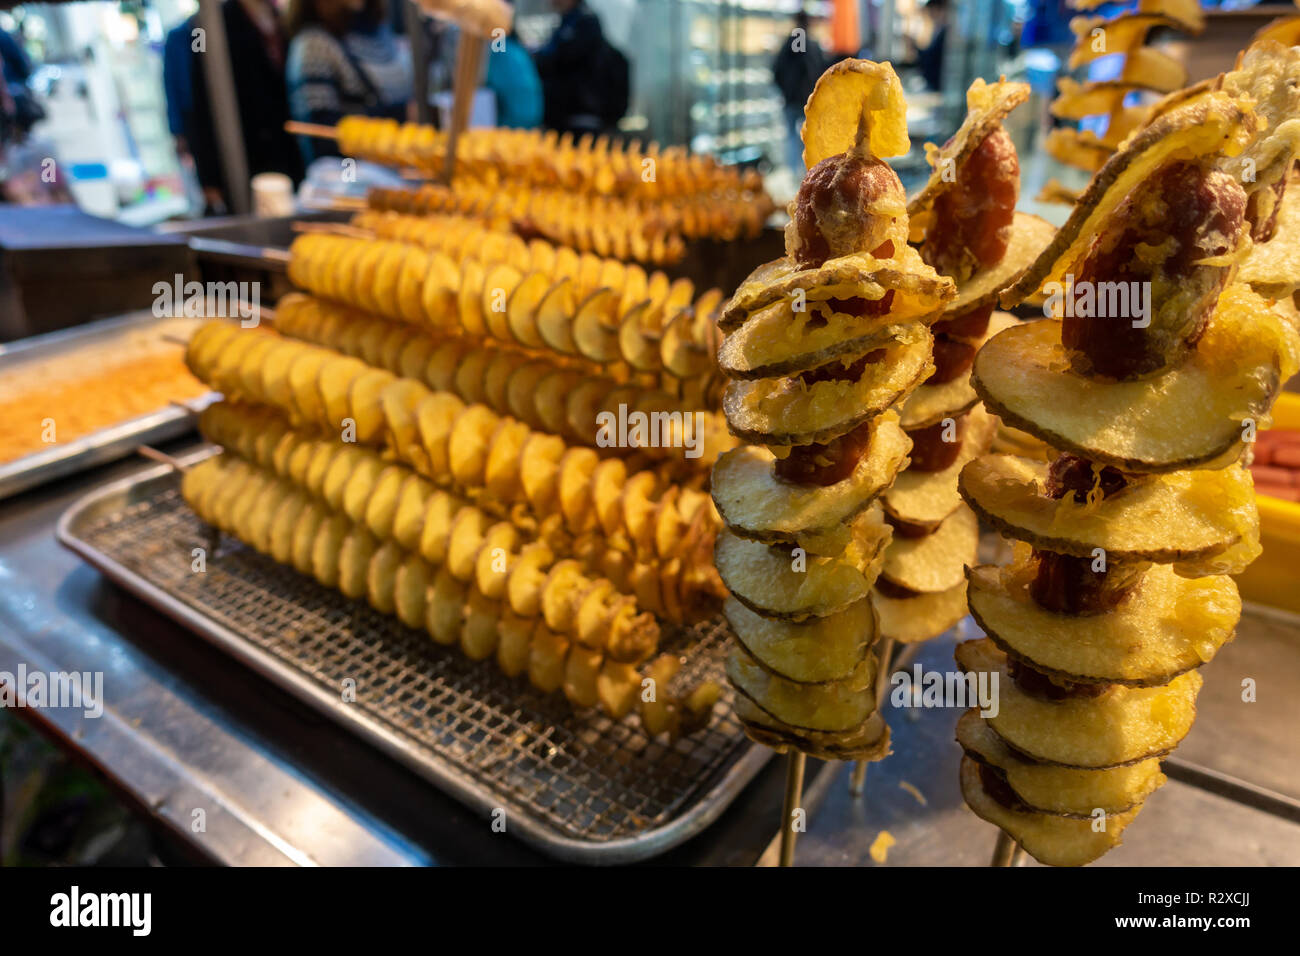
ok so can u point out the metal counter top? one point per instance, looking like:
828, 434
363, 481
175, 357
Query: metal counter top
186, 728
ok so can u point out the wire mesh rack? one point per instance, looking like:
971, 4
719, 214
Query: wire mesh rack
574, 782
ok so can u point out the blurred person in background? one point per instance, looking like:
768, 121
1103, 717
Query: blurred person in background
513, 79
929, 59
177, 84
585, 79
344, 59
798, 64
257, 42
22, 110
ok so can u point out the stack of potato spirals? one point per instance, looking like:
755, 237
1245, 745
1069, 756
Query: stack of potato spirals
965, 225
532, 158
1145, 70
527, 525
538, 388
527, 295
819, 346
1119, 586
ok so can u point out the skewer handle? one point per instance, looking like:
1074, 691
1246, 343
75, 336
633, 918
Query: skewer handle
318, 130
155, 455
793, 797
1007, 852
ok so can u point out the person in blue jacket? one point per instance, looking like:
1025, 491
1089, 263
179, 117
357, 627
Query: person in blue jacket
513, 78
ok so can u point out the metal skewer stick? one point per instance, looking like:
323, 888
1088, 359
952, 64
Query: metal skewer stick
793, 797
858, 779
1007, 852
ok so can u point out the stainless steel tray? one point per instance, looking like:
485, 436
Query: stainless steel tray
105, 444
578, 785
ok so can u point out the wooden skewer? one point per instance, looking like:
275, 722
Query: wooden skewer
469, 60
318, 130
793, 797
155, 455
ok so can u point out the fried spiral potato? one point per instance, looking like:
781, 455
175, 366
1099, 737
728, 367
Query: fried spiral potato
965, 224
467, 446
806, 535
542, 158
591, 194
564, 399
1144, 70
1118, 589
532, 296
284, 520
395, 502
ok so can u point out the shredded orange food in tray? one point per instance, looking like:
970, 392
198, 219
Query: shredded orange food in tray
82, 393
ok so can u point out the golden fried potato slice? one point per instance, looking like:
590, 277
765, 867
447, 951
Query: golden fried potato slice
680, 350
559, 594
411, 585
359, 547
920, 617
853, 93
617, 686
869, 741
918, 290
827, 707
1189, 415
546, 658
776, 583
381, 577
788, 411
535, 394
1182, 516
445, 612
425, 521
1054, 789
522, 309
555, 313
539, 471
470, 443
499, 283
1054, 840
936, 561
478, 635
757, 504
595, 329
514, 643
1168, 625
1123, 725
821, 649
494, 560
925, 498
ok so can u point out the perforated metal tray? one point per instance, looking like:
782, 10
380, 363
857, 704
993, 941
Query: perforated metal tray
574, 783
